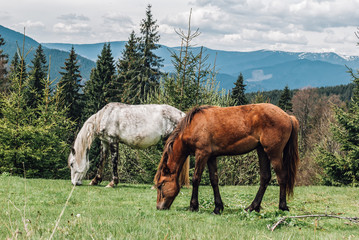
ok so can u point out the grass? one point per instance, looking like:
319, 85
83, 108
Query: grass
129, 212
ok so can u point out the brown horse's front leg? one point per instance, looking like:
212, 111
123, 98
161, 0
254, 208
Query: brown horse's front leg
196, 179
213, 176
100, 165
265, 177
114, 157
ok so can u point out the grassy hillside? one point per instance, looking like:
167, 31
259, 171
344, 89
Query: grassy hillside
29, 209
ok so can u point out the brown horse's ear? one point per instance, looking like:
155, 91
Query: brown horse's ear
165, 170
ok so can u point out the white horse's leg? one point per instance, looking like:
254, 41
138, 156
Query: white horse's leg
101, 164
114, 158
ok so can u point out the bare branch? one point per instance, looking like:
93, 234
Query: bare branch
352, 219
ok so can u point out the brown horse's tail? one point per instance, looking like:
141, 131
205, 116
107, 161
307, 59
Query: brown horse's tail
184, 175
291, 156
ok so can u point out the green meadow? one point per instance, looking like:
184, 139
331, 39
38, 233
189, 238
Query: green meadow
30, 208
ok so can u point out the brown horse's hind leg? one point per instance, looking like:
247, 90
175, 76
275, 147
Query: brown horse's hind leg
196, 179
265, 177
213, 176
114, 158
282, 180
100, 165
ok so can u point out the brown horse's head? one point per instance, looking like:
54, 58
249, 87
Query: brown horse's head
167, 188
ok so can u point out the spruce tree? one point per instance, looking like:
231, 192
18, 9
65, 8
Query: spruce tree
70, 85
128, 70
17, 68
37, 76
4, 82
96, 91
237, 93
147, 80
285, 100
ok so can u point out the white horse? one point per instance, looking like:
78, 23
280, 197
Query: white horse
138, 126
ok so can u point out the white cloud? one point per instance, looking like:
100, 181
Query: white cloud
258, 75
31, 24
71, 28
114, 17
73, 17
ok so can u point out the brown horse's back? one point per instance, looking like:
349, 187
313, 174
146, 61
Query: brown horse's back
240, 129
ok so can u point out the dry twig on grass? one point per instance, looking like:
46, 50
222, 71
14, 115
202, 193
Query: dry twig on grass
352, 219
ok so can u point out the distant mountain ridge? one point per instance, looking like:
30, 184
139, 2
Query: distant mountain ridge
14, 40
262, 70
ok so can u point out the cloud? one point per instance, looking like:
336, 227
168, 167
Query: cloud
71, 28
258, 75
73, 17
115, 25
118, 19
4, 15
312, 15
31, 24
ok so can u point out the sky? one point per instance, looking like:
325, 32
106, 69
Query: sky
234, 25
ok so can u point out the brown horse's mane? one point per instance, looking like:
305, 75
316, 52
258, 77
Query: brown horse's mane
168, 149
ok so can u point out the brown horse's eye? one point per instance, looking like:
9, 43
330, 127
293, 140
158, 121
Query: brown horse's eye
159, 187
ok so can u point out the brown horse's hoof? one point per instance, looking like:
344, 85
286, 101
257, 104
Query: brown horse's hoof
285, 208
217, 212
251, 208
93, 183
193, 209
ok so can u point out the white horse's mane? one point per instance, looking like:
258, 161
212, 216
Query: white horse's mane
86, 136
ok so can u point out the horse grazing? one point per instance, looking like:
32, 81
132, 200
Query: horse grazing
138, 126
209, 132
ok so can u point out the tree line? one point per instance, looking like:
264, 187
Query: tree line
39, 119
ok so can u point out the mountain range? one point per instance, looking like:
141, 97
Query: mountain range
262, 70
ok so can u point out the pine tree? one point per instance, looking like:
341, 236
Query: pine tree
17, 68
238, 91
4, 82
37, 76
285, 100
96, 92
70, 85
147, 81
128, 69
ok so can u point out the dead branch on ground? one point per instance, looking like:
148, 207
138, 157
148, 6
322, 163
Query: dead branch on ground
281, 220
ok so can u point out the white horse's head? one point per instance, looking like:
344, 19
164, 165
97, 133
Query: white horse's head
78, 164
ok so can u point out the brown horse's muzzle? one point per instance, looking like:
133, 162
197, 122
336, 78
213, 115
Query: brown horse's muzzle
163, 203
161, 206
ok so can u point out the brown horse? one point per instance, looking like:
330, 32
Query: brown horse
209, 132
